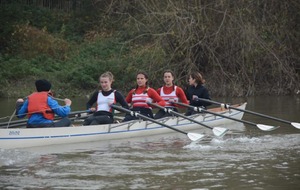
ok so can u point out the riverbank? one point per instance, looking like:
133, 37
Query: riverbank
237, 56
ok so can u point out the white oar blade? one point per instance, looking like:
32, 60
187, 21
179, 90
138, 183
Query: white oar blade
297, 125
266, 127
195, 136
219, 131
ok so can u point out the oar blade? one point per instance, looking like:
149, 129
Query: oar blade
219, 131
266, 127
297, 125
195, 136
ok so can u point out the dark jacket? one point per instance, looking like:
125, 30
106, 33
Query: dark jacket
199, 91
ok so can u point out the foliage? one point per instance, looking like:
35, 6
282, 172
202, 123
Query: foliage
33, 42
243, 48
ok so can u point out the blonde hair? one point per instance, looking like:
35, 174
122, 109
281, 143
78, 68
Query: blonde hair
107, 74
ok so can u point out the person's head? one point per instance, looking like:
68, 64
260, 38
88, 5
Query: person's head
196, 78
169, 77
142, 79
42, 85
106, 80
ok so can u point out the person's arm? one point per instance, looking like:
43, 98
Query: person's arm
61, 111
21, 108
181, 95
204, 95
92, 100
158, 91
129, 96
154, 95
187, 94
201, 92
121, 100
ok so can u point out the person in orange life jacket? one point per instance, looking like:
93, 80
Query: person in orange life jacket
170, 93
103, 113
196, 90
139, 96
41, 108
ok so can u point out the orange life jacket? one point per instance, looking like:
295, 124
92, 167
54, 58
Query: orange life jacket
37, 103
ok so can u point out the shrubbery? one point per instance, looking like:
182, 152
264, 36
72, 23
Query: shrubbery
246, 48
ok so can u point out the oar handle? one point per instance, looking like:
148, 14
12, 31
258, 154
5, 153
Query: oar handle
79, 112
160, 107
227, 106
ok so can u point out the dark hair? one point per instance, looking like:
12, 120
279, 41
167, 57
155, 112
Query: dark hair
198, 77
146, 77
42, 85
170, 71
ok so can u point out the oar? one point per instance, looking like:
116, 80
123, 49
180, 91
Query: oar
13, 122
260, 126
227, 106
18, 125
218, 131
21, 122
192, 136
79, 112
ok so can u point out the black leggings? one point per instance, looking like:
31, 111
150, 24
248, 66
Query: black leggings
162, 113
144, 111
96, 120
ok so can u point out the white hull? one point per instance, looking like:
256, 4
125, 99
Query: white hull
26, 137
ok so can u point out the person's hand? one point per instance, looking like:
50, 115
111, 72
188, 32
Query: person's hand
148, 100
92, 109
195, 97
171, 100
20, 100
50, 93
68, 102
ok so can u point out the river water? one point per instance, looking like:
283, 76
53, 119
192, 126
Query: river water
249, 159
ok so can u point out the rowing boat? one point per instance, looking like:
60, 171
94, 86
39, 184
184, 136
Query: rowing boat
32, 137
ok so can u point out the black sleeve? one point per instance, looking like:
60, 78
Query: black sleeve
205, 95
187, 93
92, 100
121, 100
202, 92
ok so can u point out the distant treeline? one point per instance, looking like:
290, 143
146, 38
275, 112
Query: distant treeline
243, 48
66, 5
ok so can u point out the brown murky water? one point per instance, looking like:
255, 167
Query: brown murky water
250, 159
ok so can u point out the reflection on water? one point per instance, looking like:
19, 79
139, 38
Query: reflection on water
245, 159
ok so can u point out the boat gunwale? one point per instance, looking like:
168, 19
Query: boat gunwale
115, 125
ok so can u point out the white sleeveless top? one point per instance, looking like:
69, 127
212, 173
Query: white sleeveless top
167, 97
104, 102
